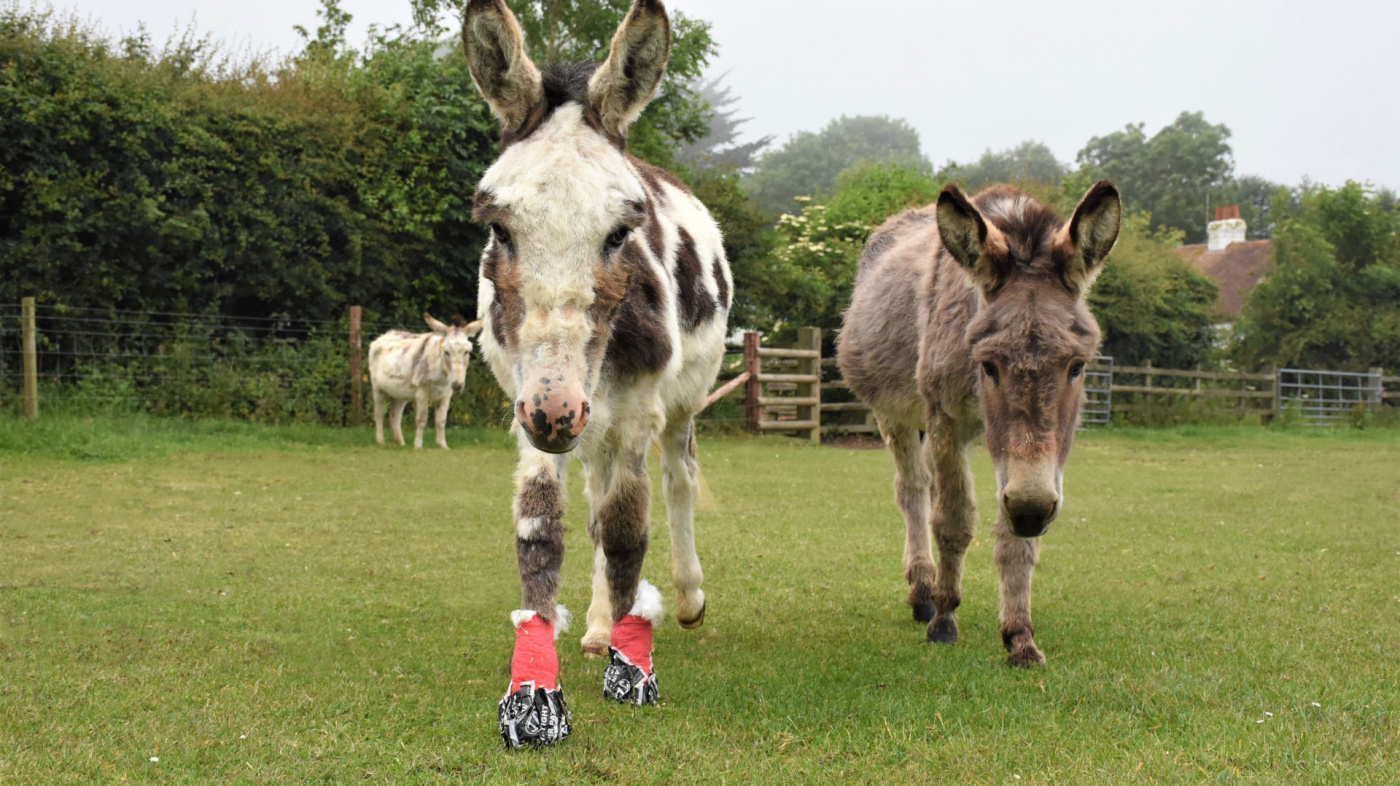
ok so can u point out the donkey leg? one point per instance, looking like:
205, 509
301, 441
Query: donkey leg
396, 420
421, 406
681, 483
1016, 558
622, 523
533, 711
380, 404
911, 493
954, 521
441, 413
597, 475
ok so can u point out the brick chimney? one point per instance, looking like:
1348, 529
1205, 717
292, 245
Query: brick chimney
1227, 228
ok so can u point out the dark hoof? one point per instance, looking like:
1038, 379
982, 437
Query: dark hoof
534, 718
698, 621
627, 684
1026, 657
943, 631
923, 612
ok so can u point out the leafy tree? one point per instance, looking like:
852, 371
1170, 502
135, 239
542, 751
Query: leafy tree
1028, 162
1168, 175
809, 163
1150, 305
1332, 297
807, 279
720, 147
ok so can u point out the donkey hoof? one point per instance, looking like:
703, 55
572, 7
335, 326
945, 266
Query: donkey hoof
595, 648
1026, 657
924, 612
943, 631
698, 621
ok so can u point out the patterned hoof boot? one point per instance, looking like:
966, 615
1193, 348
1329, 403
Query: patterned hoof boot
533, 712
631, 676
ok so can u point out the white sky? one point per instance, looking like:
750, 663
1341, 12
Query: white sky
1307, 88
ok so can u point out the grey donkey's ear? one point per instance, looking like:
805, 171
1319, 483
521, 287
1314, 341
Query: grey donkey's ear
625, 83
972, 240
1084, 242
436, 326
496, 57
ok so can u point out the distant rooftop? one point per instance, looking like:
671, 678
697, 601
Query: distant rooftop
1236, 268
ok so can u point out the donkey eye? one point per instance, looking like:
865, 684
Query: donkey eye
616, 239
502, 236
990, 369
1075, 370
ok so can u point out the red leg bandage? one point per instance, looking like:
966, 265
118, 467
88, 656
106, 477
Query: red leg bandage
533, 711
631, 636
535, 659
630, 677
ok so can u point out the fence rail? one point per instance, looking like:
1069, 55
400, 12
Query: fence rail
168, 360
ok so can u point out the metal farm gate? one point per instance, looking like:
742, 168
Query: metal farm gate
1098, 393
1327, 398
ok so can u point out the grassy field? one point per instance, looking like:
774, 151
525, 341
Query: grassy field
295, 606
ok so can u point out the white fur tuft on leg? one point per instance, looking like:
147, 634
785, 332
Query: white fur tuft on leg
562, 617
648, 605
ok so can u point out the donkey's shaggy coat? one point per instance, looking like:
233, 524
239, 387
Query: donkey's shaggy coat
970, 314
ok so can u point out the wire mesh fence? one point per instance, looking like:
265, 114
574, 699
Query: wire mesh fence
273, 369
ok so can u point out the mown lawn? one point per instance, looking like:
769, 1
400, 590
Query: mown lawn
298, 606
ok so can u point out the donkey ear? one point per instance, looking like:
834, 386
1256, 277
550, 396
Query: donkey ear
1083, 243
625, 83
496, 57
437, 327
977, 244
473, 328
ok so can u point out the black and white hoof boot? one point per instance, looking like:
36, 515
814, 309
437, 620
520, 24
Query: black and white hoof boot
533, 712
631, 675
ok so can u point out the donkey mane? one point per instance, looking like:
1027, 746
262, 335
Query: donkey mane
1028, 225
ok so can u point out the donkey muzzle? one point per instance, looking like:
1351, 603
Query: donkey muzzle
1030, 498
553, 419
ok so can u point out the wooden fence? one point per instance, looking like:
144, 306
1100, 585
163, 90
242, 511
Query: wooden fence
795, 390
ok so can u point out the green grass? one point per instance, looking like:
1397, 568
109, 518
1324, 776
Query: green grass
297, 605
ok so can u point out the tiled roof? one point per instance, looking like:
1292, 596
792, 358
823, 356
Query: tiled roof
1236, 269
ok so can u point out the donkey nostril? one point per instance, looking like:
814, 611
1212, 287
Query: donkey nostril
520, 415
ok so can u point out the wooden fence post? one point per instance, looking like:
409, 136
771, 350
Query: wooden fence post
811, 338
1379, 374
31, 359
357, 386
753, 387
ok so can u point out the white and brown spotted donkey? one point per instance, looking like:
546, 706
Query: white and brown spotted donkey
970, 314
604, 298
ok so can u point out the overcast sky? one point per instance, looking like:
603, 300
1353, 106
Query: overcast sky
1307, 88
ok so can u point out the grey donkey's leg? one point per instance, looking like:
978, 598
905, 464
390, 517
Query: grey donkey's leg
396, 420
380, 404
954, 520
421, 406
681, 482
911, 493
539, 529
1016, 558
441, 413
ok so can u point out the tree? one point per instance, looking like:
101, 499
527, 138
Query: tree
1256, 197
720, 147
1331, 299
1029, 162
807, 279
808, 164
1150, 305
1168, 175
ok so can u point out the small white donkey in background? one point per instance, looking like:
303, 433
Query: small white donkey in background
426, 368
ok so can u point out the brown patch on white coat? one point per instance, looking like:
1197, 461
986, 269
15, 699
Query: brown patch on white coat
425, 368
966, 315
605, 292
